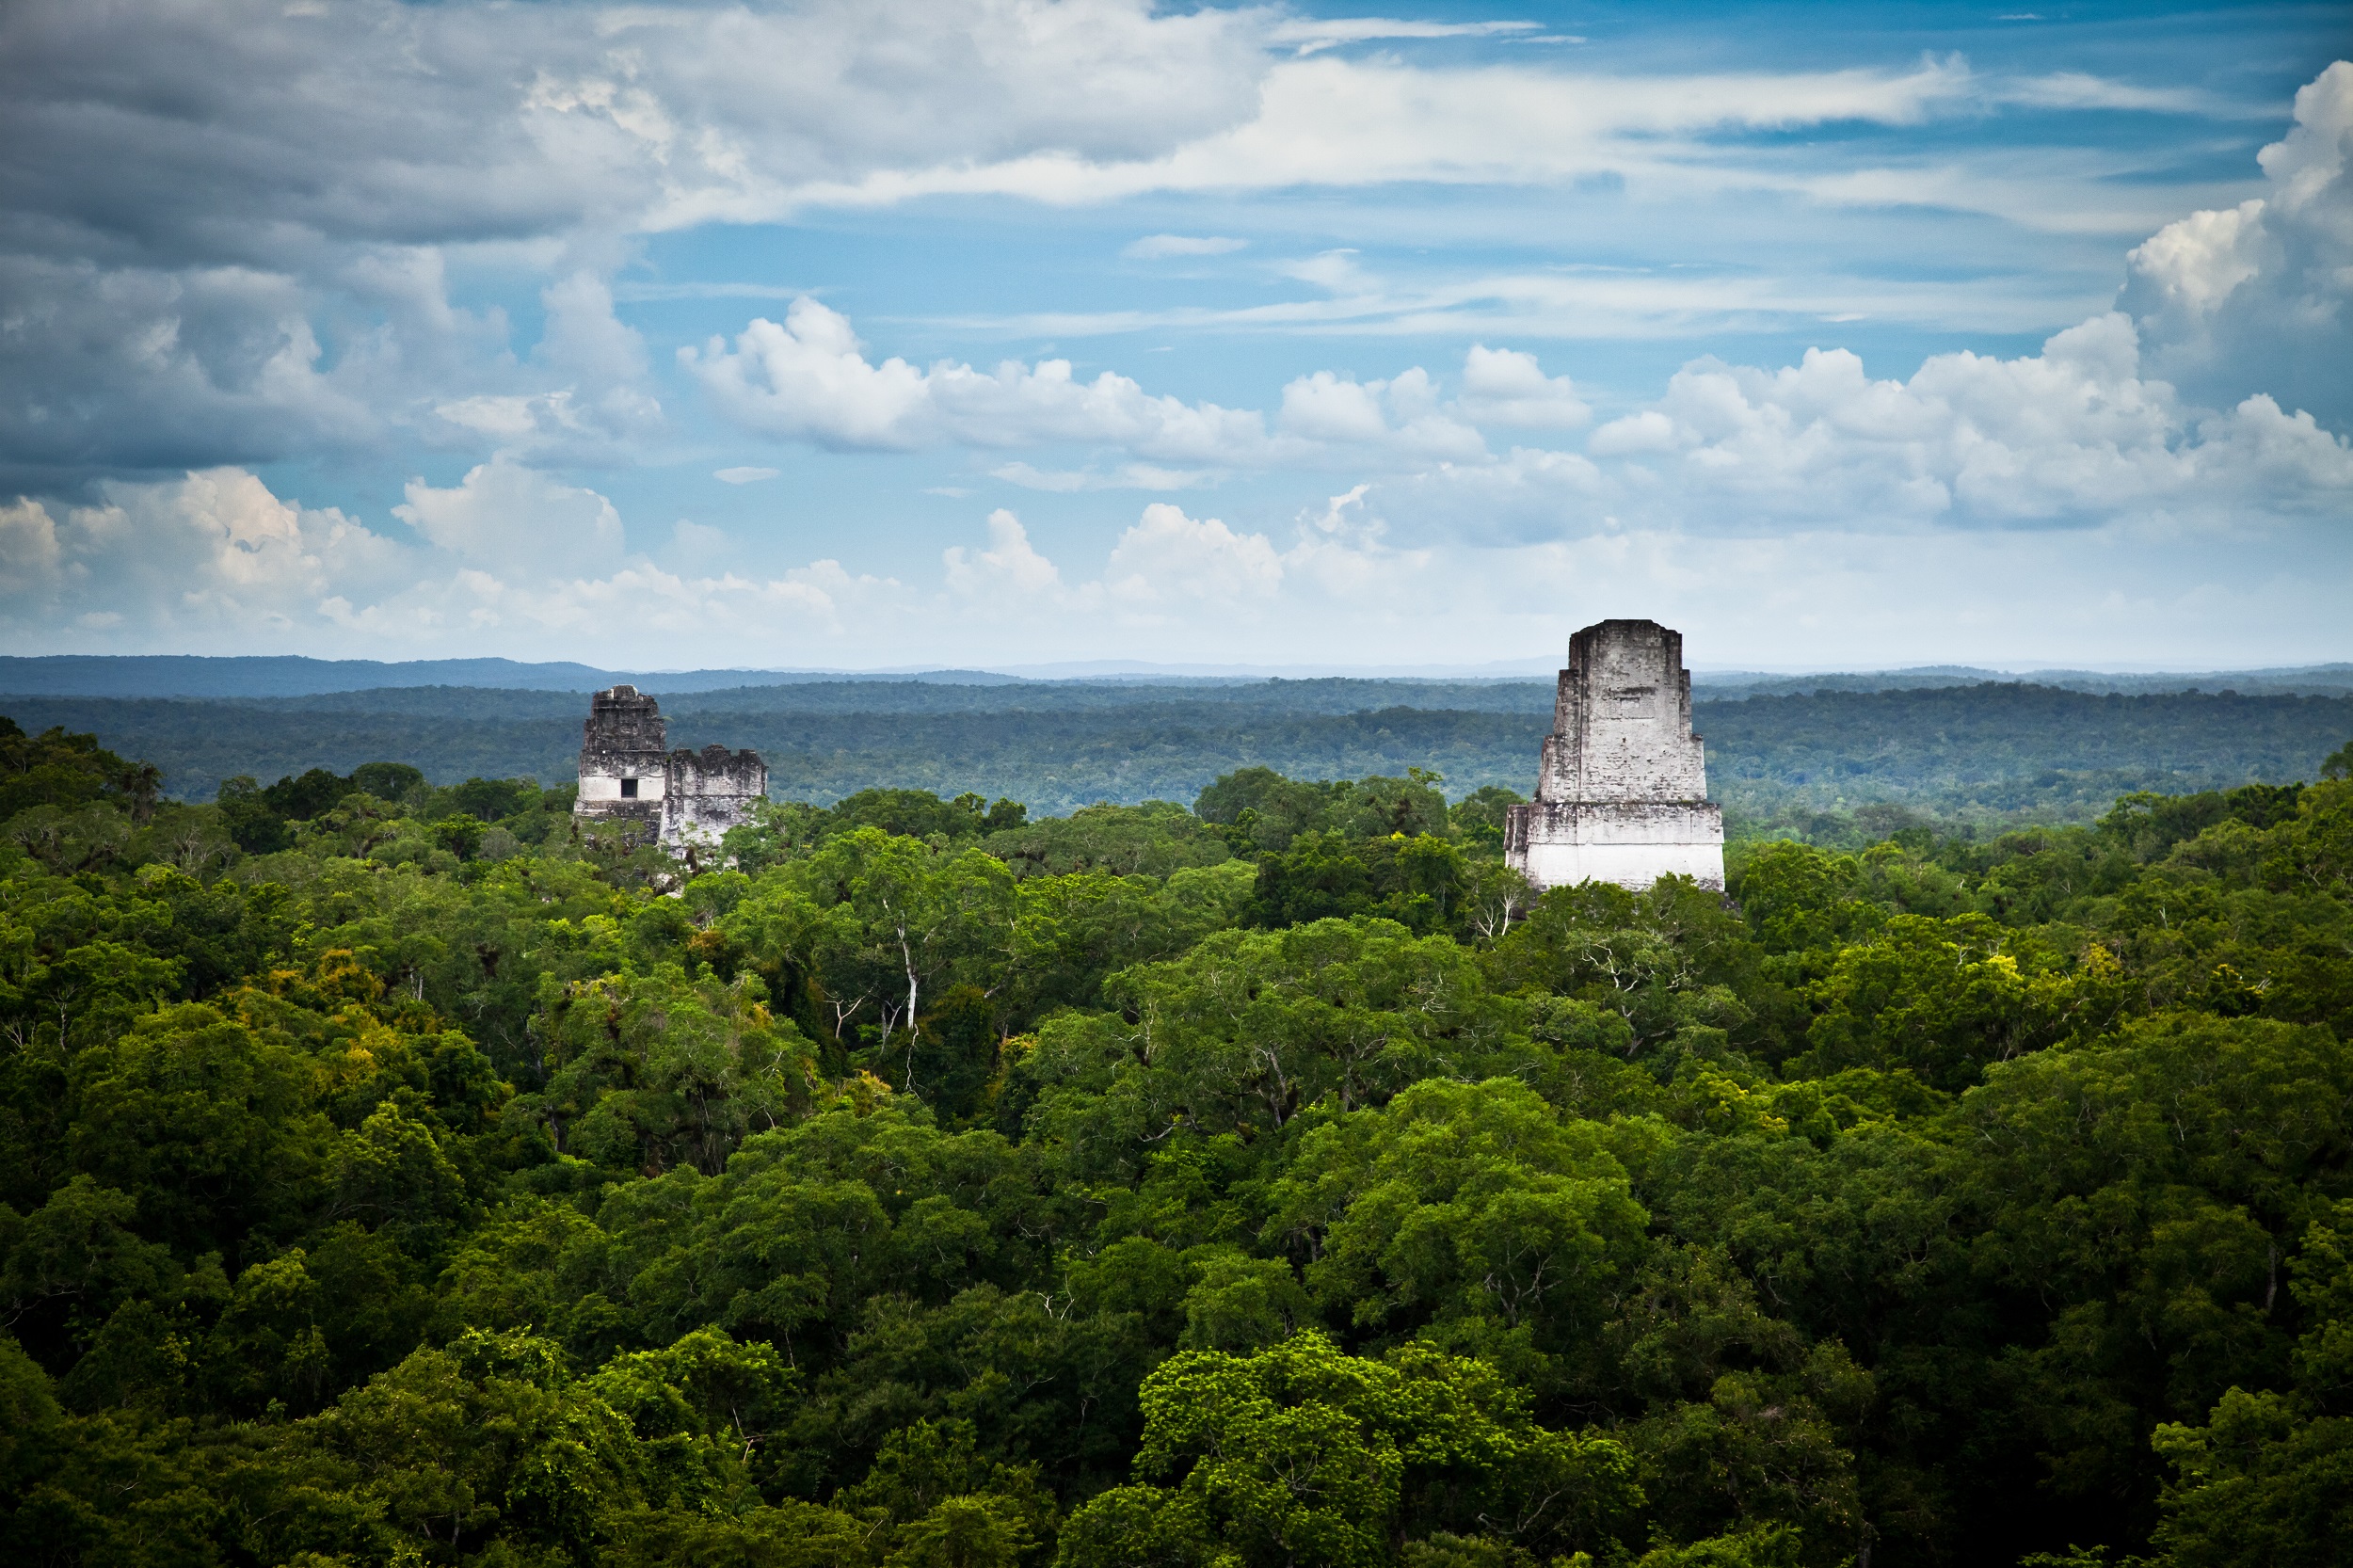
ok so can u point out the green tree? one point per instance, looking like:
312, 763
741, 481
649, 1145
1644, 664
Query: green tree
1300, 1454
1471, 1214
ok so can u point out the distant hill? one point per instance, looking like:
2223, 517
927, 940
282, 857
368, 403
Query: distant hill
1982, 755
191, 676
2301, 680
177, 676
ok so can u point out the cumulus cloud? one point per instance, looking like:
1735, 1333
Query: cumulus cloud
1009, 565
603, 361
30, 555
1168, 556
212, 552
1502, 386
637, 612
1404, 415
216, 562
2258, 297
516, 522
2071, 436
231, 568
808, 378
1197, 576
2066, 437
2075, 436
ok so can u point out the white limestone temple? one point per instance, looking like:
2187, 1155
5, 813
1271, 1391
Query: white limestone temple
681, 799
1622, 793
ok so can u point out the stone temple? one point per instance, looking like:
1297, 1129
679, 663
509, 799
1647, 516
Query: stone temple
1622, 793
683, 800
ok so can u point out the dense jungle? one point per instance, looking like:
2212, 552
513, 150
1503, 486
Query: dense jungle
1829, 764
394, 1173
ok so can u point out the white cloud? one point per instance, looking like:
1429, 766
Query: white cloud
1010, 567
1169, 558
1340, 122
29, 552
1153, 248
1325, 407
2196, 262
2075, 436
1196, 579
236, 243
1589, 303
228, 567
233, 243
743, 474
583, 336
1647, 431
604, 360
210, 555
1502, 386
2066, 437
694, 545
808, 379
2259, 297
516, 522
510, 560
1313, 35
226, 232
638, 117
639, 612
1128, 476
1402, 414
2076, 90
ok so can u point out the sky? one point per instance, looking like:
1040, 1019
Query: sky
1010, 332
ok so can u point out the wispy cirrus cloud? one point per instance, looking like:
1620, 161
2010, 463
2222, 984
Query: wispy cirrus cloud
1154, 248
1311, 36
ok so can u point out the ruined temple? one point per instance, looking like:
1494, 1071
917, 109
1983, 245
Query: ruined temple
1621, 792
681, 799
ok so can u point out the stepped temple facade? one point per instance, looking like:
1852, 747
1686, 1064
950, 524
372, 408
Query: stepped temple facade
681, 799
1621, 792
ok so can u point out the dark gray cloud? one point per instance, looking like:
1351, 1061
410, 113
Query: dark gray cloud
185, 132
223, 223
107, 370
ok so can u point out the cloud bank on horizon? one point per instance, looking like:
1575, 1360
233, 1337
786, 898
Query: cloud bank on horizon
1015, 330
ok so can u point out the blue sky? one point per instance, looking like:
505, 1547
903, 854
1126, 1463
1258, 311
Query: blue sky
1006, 333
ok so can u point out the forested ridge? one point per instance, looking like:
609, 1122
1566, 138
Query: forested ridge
1833, 766
397, 1174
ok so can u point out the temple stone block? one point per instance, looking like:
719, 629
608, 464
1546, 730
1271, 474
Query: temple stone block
1622, 789
681, 799
713, 789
